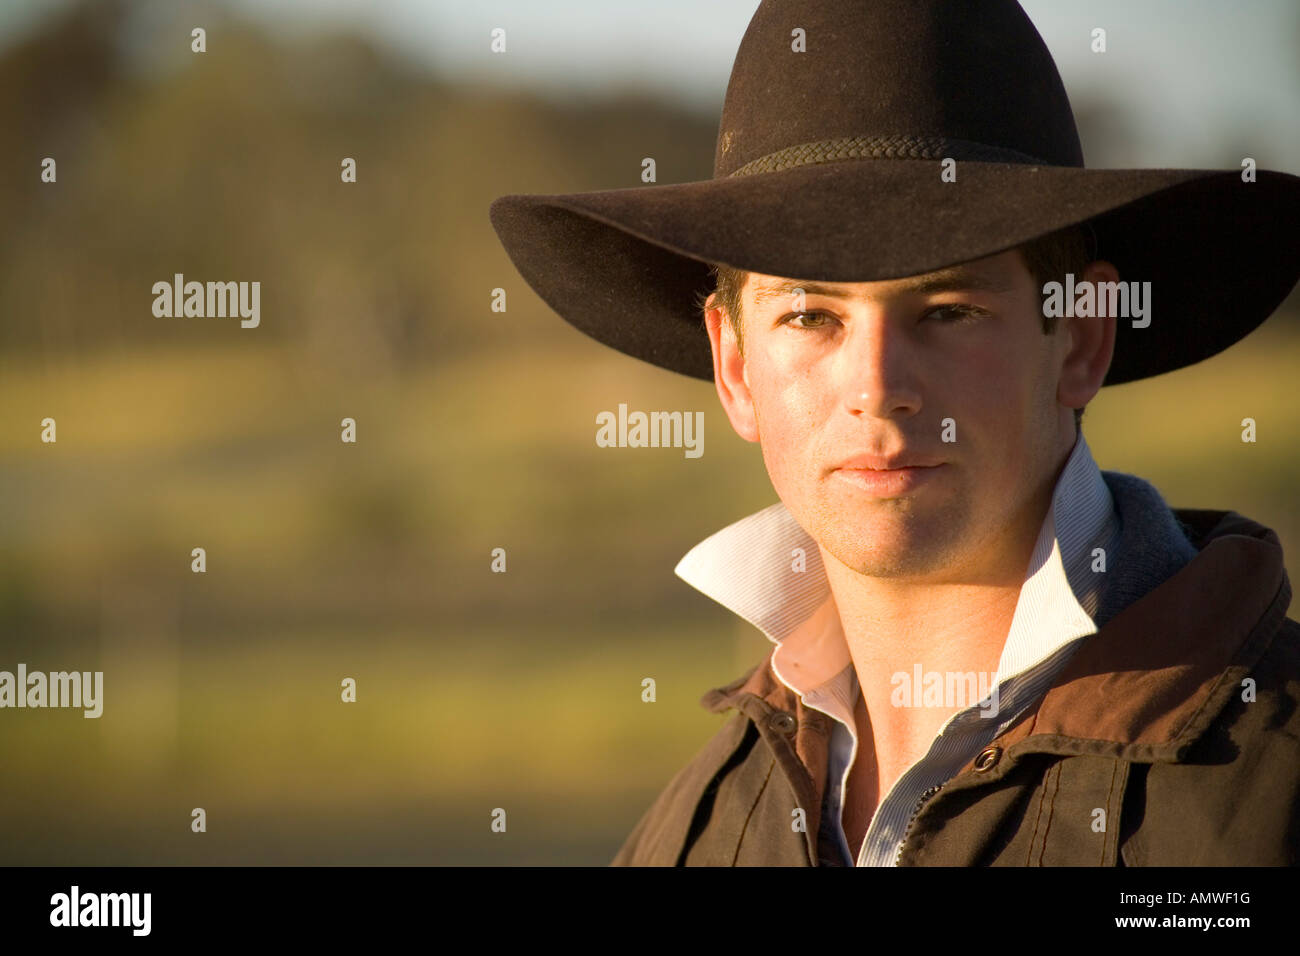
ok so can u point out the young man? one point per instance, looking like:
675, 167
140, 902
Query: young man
986, 651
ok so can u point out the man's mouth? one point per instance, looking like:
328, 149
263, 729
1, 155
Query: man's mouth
889, 482
895, 462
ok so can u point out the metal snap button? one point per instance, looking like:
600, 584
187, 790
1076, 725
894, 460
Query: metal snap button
782, 723
988, 759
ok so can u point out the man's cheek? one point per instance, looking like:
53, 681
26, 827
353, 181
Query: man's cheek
991, 389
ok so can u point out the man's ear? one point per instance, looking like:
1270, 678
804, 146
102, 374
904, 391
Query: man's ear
1091, 344
729, 372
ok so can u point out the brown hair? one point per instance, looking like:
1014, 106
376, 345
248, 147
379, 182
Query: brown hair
1048, 259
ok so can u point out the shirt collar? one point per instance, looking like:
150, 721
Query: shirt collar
768, 570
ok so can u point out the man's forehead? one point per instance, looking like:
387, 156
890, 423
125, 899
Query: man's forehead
996, 274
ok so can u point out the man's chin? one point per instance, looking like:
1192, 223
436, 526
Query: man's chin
892, 565
904, 546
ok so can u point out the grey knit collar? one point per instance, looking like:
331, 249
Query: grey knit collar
1151, 544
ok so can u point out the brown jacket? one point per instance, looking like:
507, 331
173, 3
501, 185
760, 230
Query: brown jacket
1171, 738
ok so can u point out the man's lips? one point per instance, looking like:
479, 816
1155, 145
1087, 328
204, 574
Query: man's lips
889, 462
888, 482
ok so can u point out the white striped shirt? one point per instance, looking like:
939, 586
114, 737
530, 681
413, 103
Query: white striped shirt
747, 567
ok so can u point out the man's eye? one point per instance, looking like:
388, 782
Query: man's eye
957, 313
798, 315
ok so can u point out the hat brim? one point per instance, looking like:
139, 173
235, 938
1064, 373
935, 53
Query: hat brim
628, 266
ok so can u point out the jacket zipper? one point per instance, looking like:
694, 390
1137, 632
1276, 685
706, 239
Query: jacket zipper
919, 803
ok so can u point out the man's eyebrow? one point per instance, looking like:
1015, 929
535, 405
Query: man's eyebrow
953, 279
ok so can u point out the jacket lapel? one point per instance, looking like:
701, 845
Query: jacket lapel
1149, 682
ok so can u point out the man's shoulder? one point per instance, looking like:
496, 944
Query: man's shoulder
1277, 672
661, 833
1202, 525
1234, 798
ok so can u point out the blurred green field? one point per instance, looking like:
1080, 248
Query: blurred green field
328, 560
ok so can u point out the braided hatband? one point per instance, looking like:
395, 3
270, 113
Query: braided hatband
883, 147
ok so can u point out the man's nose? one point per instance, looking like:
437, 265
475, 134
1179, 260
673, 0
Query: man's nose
877, 369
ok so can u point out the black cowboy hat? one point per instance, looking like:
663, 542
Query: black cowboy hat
827, 167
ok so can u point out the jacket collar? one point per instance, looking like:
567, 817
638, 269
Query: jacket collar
1163, 664
1160, 671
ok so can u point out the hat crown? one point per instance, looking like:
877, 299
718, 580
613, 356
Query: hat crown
840, 79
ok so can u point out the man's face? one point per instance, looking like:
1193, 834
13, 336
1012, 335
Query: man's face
890, 369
